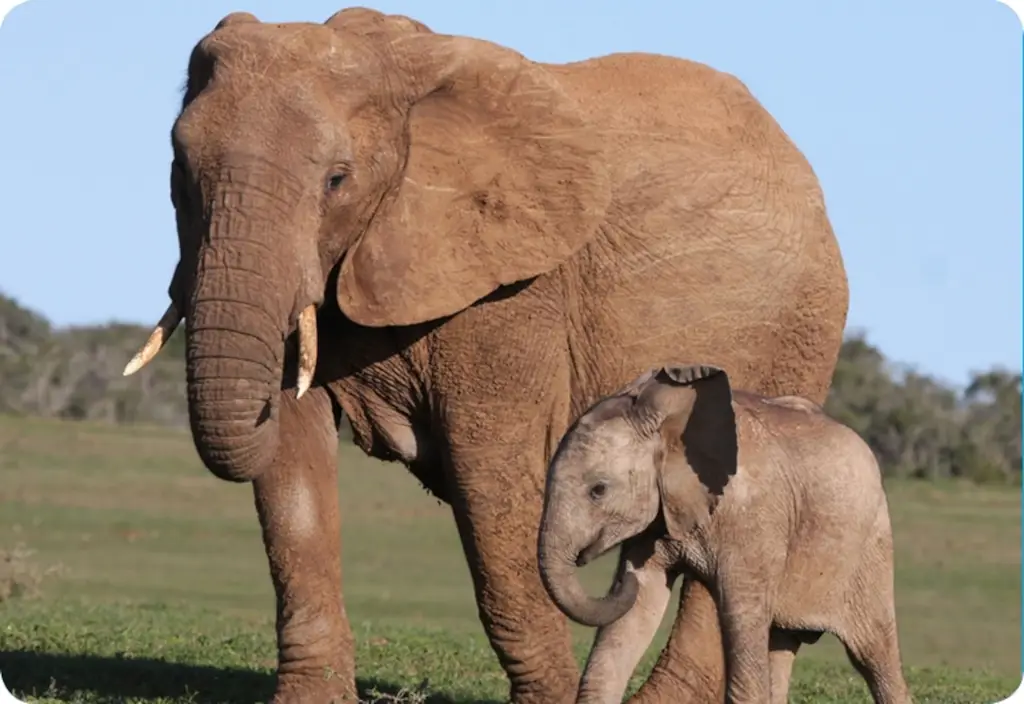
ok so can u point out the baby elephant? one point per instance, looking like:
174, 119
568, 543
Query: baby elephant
776, 507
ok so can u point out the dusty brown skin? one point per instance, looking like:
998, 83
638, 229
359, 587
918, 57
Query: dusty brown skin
489, 244
773, 504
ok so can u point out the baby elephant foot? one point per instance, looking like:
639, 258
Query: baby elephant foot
307, 689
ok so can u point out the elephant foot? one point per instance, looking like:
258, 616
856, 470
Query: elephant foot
681, 693
687, 687
328, 688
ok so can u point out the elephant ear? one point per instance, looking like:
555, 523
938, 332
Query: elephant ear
504, 180
685, 501
692, 409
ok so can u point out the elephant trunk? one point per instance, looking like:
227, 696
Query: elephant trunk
558, 568
234, 364
249, 284
245, 300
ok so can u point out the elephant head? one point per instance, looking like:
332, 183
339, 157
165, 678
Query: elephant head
424, 170
662, 447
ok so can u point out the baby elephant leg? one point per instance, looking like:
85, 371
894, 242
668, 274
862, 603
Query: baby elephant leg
782, 647
874, 651
746, 626
868, 626
869, 635
619, 646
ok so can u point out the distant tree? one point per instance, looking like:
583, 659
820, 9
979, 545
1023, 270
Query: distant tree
992, 426
75, 372
916, 425
919, 427
862, 385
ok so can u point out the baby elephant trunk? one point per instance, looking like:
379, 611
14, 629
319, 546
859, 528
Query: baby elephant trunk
558, 569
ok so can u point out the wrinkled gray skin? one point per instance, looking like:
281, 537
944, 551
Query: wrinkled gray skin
461, 249
777, 507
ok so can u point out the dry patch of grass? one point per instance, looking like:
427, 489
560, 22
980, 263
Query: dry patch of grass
21, 577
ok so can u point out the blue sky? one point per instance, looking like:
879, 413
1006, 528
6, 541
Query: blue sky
909, 111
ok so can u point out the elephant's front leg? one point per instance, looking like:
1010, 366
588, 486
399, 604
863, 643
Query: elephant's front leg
497, 473
619, 646
297, 502
746, 628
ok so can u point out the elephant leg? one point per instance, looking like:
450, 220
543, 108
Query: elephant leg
782, 646
497, 482
619, 646
691, 667
868, 630
297, 504
746, 628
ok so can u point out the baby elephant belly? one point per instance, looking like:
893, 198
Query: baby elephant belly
813, 589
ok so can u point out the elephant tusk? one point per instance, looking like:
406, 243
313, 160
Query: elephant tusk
307, 350
163, 330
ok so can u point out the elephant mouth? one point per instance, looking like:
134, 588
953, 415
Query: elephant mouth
590, 553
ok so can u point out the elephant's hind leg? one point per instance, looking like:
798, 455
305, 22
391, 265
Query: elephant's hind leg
497, 524
868, 627
297, 503
619, 646
876, 657
691, 667
497, 478
501, 393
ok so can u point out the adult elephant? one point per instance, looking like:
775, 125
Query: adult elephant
461, 249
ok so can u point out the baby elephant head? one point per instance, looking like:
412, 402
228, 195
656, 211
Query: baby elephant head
661, 448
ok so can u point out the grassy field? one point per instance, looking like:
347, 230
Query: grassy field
160, 593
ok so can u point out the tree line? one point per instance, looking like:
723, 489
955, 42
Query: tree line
917, 425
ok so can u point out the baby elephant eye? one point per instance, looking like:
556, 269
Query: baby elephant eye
598, 490
335, 180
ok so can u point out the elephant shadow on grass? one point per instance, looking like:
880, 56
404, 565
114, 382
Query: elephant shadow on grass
114, 679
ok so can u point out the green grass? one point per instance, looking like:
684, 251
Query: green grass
164, 596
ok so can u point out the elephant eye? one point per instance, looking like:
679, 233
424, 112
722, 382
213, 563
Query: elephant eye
335, 180
598, 491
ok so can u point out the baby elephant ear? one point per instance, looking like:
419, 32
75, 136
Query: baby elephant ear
673, 390
685, 501
698, 429
689, 374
